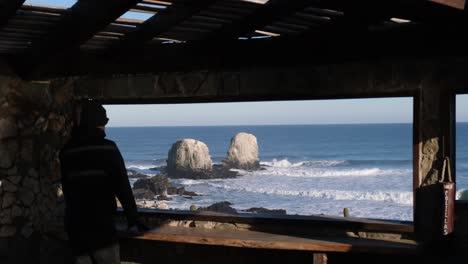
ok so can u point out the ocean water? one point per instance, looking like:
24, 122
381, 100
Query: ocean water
310, 169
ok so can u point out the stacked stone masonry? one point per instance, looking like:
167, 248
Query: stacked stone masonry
35, 122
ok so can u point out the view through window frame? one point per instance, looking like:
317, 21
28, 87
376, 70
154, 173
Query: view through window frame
413, 128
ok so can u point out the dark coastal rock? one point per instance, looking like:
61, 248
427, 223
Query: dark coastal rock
163, 197
174, 190
261, 210
162, 169
160, 186
218, 172
221, 207
179, 191
222, 172
140, 194
157, 184
189, 194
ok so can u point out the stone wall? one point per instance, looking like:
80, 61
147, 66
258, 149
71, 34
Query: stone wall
35, 122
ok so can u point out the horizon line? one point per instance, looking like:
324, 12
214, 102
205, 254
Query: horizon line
204, 125
322, 124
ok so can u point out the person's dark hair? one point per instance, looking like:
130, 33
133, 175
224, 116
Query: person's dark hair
92, 115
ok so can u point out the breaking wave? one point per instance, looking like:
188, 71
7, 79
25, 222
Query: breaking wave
403, 198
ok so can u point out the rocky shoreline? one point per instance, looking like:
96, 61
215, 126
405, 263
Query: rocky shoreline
151, 192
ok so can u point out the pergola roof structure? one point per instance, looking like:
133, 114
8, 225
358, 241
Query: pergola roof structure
191, 51
91, 38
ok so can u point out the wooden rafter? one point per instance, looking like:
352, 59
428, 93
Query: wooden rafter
161, 23
7, 9
425, 11
79, 24
460, 4
272, 10
304, 50
62, 31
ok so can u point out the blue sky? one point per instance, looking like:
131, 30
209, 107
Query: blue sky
57, 3
347, 111
387, 110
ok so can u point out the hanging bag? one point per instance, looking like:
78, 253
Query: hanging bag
435, 216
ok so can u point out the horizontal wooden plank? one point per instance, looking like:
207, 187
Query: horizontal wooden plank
460, 4
43, 8
261, 240
290, 220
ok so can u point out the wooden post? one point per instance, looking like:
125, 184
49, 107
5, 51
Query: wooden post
320, 258
434, 139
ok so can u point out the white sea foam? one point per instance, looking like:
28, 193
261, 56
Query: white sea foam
462, 194
399, 197
284, 163
325, 163
140, 167
188, 182
314, 172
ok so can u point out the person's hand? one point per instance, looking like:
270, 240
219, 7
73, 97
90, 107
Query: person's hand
138, 228
142, 227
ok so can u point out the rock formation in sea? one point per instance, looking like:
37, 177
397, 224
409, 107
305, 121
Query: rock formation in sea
225, 207
243, 153
261, 210
221, 207
157, 184
189, 158
157, 187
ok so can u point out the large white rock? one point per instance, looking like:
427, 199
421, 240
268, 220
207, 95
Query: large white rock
187, 157
243, 152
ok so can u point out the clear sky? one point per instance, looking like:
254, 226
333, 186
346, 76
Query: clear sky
57, 3
387, 110
347, 111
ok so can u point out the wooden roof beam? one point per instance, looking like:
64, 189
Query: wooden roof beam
305, 50
360, 15
7, 9
160, 23
425, 11
459, 4
264, 15
79, 24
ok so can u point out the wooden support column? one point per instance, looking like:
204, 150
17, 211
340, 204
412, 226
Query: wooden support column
434, 139
320, 258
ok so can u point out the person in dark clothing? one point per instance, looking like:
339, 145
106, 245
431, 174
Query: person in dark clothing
93, 175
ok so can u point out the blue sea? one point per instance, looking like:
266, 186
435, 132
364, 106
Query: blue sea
310, 169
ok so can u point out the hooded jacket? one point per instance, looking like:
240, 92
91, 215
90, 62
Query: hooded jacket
93, 175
